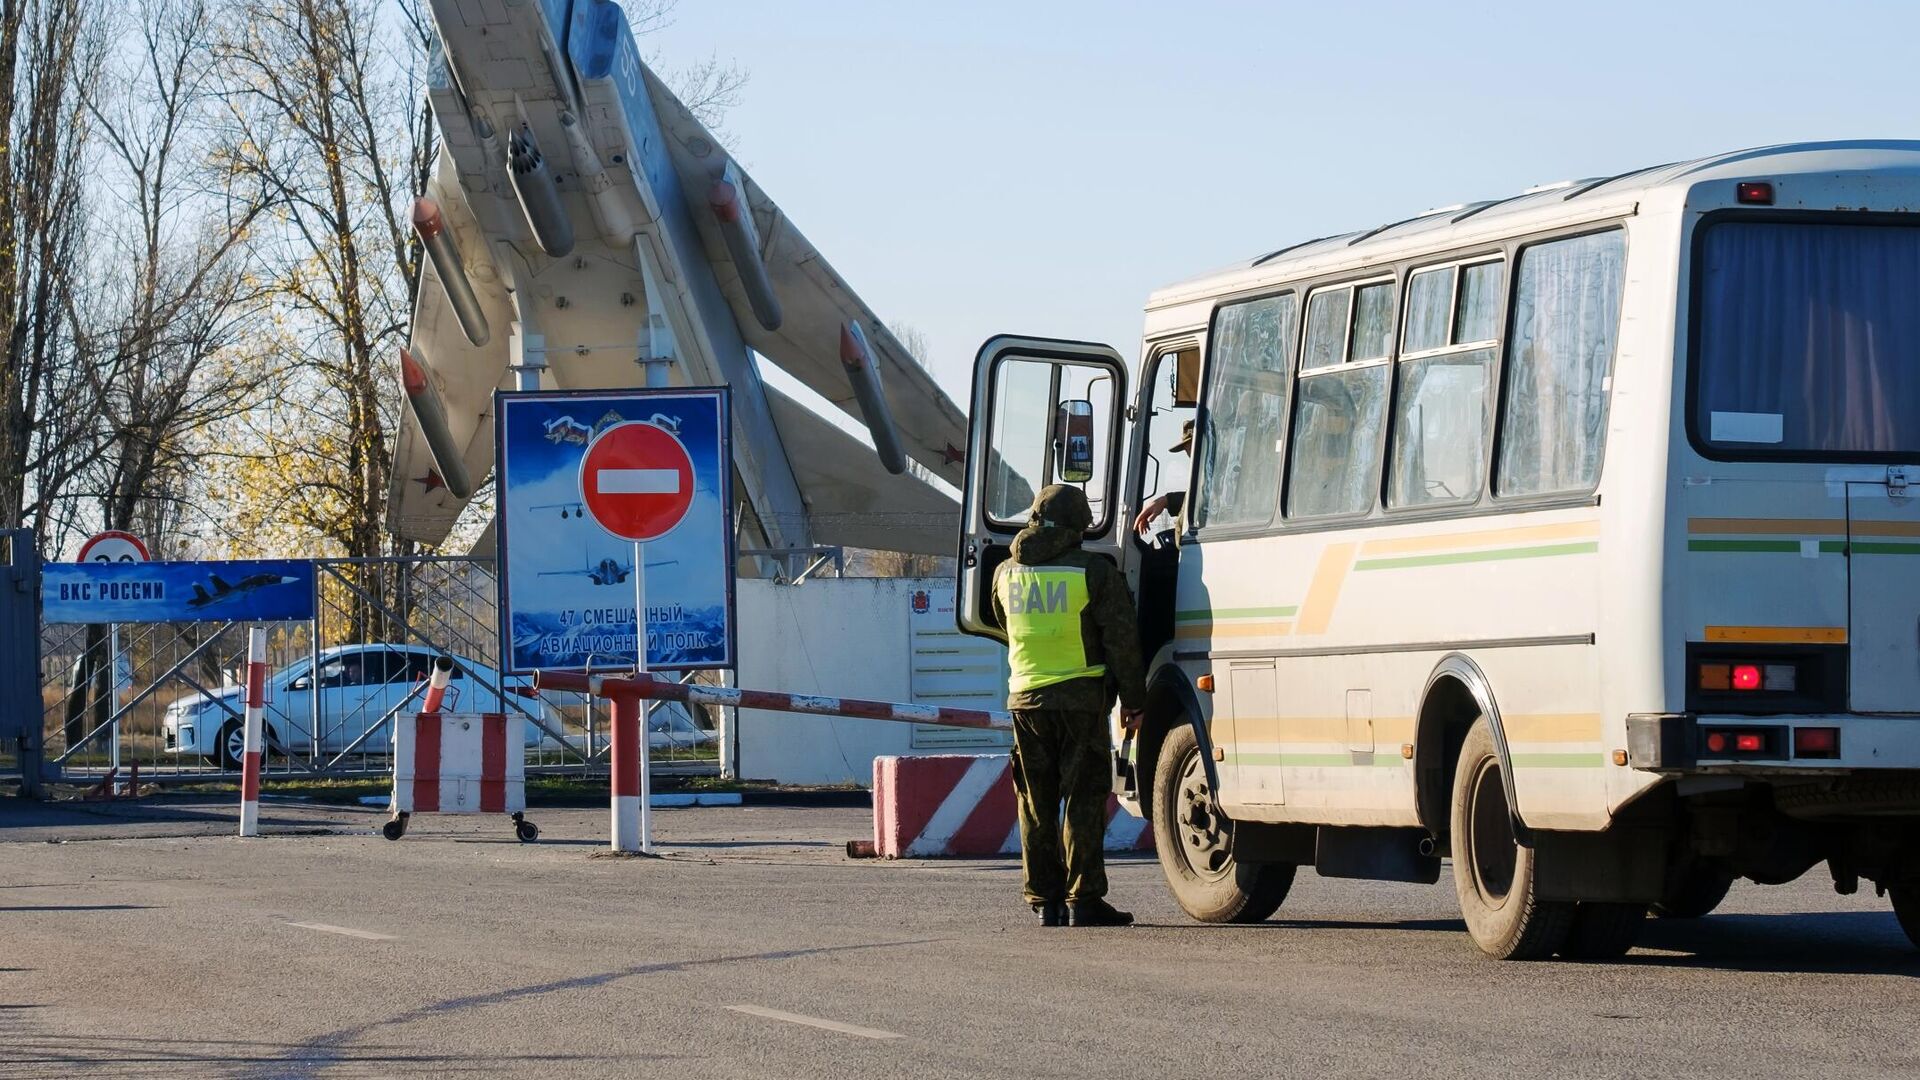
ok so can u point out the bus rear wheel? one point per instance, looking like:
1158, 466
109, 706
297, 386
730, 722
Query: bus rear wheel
1493, 873
1194, 840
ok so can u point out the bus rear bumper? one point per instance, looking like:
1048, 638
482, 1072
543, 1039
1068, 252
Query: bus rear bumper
1684, 743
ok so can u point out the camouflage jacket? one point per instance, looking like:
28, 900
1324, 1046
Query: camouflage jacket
1107, 627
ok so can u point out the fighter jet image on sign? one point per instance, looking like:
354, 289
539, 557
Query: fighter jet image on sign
608, 571
581, 222
222, 591
604, 572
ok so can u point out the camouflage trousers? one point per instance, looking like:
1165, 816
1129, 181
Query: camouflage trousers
1062, 755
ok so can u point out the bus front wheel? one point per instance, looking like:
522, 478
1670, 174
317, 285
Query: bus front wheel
1194, 840
1493, 873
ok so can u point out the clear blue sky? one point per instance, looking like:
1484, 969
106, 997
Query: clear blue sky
1041, 166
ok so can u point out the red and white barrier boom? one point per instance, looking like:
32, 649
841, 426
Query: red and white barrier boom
437, 685
614, 688
627, 698
255, 731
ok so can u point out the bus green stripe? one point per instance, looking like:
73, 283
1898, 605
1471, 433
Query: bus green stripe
1381, 760
1875, 548
1216, 614
1559, 761
1744, 545
1585, 547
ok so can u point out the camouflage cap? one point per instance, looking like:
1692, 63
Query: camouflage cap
1061, 506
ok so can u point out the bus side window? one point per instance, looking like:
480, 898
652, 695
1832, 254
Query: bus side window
1342, 402
1440, 406
1566, 317
1246, 408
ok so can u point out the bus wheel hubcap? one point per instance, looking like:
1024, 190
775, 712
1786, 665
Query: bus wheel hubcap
1205, 836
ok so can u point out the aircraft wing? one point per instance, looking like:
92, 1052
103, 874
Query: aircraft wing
815, 303
461, 377
853, 501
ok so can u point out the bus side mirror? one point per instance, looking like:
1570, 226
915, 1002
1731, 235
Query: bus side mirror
1075, 442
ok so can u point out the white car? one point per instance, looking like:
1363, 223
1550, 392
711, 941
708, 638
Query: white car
356, 687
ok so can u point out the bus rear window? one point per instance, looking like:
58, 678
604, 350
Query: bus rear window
1808, 340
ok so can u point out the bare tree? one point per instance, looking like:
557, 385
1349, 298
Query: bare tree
327, 125
177, 295
47, 429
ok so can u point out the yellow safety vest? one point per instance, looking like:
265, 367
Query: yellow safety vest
1043, 606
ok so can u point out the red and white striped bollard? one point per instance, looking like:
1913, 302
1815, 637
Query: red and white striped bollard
255, 731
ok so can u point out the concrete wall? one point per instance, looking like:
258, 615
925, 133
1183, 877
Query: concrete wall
857, 637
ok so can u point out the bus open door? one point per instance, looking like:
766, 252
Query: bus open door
1044, 412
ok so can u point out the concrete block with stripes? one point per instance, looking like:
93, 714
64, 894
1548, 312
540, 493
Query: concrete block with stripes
963, 804
459, 763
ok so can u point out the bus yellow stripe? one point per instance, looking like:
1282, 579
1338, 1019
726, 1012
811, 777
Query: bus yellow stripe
1485, 538
1317, 610
1780, 635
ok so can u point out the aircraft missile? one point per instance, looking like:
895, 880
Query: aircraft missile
742, 238
864, 371
425, 402
539, 198
438, 240
609, 211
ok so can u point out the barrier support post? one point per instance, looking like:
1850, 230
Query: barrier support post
625, 711
254, 729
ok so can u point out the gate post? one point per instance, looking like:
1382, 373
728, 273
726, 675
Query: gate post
21, 722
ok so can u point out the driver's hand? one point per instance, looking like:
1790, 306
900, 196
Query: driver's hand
1144, 519
1130, 719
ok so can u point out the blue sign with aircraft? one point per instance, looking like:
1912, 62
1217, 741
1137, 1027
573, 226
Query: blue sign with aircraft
248, 590
566, 584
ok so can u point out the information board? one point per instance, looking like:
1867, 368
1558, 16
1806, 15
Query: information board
567, 583
955, 670
250, 590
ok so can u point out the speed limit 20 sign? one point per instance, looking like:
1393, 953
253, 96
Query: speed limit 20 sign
114, 546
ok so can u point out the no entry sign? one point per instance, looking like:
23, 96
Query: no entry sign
637, 481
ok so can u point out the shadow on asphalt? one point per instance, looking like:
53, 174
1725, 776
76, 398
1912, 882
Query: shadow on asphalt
78, 907
42, 1054
1833, 942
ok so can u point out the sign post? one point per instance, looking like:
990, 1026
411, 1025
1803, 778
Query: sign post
636, 479
114, 546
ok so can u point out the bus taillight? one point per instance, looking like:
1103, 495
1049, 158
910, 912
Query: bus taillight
1754, 193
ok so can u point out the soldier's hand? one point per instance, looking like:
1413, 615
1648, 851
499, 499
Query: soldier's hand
1144, 519
1130, 719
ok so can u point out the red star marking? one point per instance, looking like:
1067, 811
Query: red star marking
953, 455
431, 481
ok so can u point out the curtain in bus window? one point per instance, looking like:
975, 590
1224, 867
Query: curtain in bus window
1810, 337
1566, 317
1246, 404
1336, 441
1439, 429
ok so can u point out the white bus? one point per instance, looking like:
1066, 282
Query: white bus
1567, 535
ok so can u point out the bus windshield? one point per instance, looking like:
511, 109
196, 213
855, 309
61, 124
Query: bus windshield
1808, 343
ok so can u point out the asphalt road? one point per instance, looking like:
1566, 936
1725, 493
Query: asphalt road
755, 948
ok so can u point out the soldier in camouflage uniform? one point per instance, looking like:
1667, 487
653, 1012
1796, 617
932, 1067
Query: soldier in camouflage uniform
1072, 646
